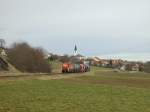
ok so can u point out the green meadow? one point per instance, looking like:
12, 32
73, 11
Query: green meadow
101, 90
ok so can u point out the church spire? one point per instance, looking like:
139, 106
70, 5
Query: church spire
75, 50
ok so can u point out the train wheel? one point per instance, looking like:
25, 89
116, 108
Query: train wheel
63, 71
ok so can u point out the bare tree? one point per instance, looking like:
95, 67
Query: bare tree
28, 59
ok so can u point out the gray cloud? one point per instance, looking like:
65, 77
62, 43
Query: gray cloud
96, 26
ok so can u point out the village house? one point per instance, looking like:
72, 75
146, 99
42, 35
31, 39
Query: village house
132, 66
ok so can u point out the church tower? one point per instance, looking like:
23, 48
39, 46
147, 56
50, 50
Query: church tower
75, 50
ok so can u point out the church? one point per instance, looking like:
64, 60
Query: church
76, 56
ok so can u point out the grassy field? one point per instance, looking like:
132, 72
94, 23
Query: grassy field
101, 91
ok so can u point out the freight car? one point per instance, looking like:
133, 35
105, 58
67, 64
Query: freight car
75, 67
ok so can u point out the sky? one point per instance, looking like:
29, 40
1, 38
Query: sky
97, 27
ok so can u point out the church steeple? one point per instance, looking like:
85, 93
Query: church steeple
75, 50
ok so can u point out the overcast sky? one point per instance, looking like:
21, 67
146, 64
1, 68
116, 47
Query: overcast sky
96, 26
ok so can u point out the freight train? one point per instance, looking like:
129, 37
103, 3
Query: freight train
75, 67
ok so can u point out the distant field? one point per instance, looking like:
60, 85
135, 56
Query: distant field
101, 90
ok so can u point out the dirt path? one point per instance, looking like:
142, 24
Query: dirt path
24, 76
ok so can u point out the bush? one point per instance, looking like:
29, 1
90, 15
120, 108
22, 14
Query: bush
28, 59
